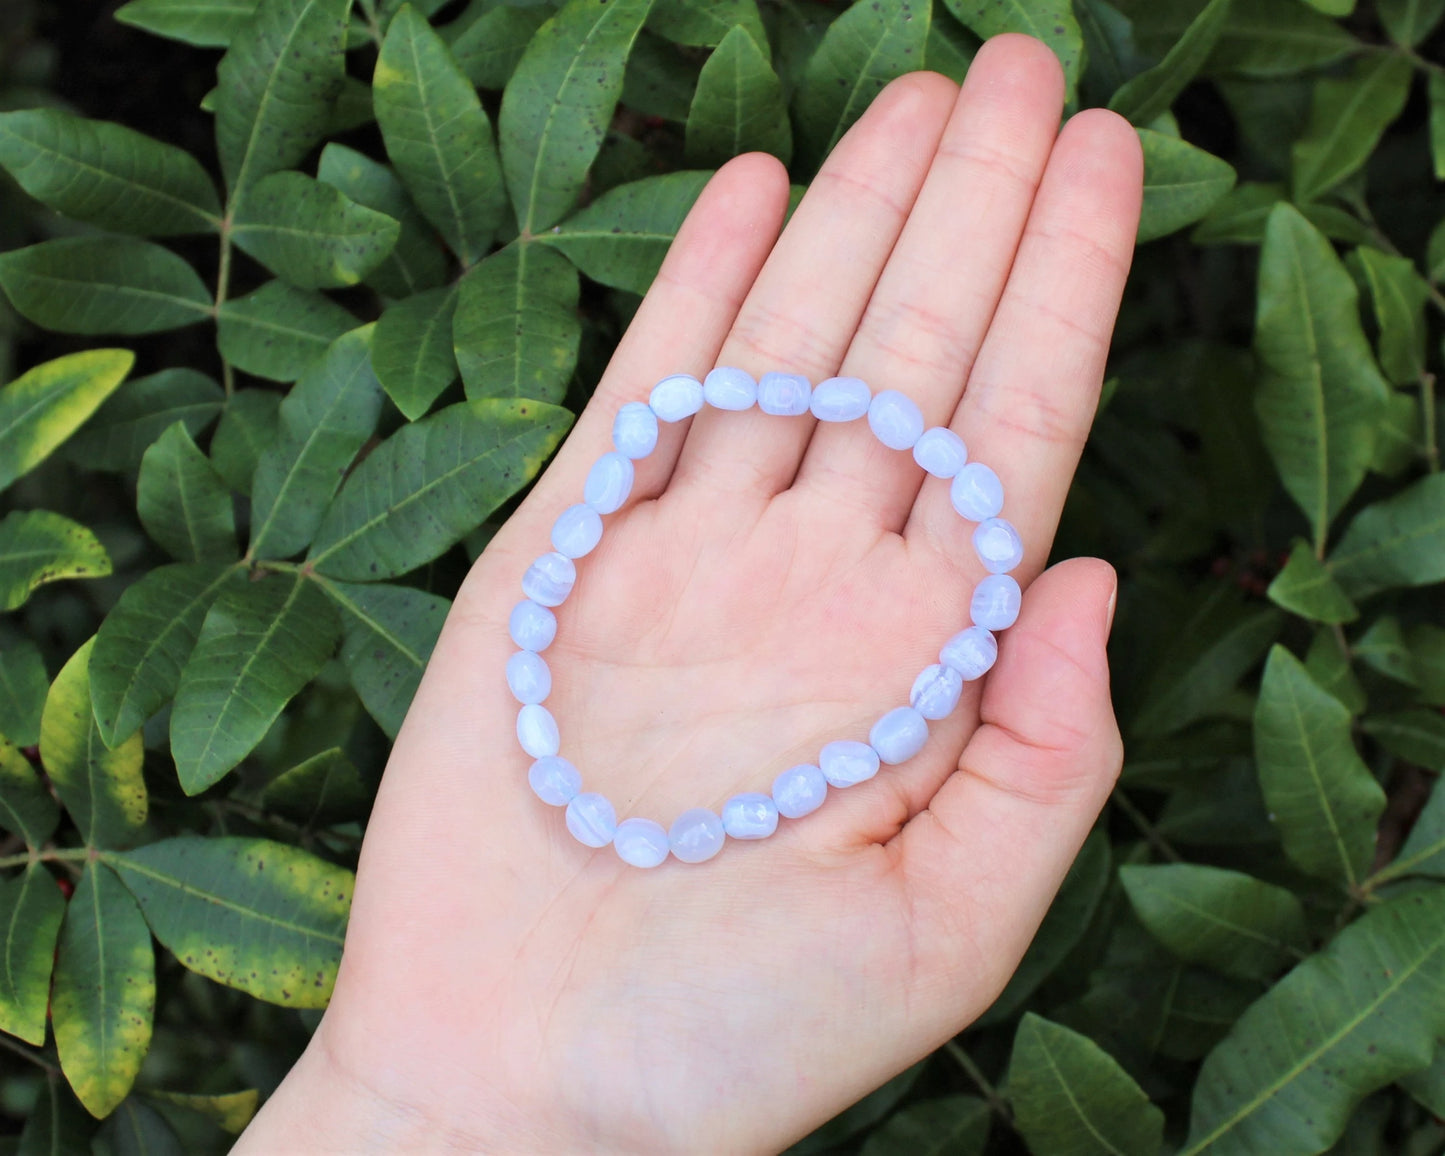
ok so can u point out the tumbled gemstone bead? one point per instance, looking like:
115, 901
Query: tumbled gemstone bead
634, 430
696, 835
936, 691
898, 735
799, 791
537, 731
845, 763
577, 531
591, 819
641, 842
998, 545
549, 579
554, 780
750, 816
609, 482
971, 652
995, 604
676, 397
895, 420
528, 677
531, 626
976, 492
784, 394
940, 451
840, 399
729, 388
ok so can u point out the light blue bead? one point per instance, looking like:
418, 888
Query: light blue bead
936, 691
554, 780
846, 763
971, 652
537, 731
799, 791
998, 545
609, 482
750, 816
941, 452
676, 397
528, 677
976, 493
895, 420
634, 430
729, 388
696, 835
995, 604
577, 531
531, 626
841, 399
898, 735
641, 842
784, 394
549, 579
591, 819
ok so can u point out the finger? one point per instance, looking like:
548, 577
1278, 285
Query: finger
1034, 388
808, 299
932, 306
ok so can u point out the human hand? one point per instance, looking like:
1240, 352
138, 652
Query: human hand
772, 585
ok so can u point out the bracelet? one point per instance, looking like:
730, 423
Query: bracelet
698, 834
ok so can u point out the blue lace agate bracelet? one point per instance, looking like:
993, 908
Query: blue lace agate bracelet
698, 834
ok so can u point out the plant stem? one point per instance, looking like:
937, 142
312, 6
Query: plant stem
34, 1057
995, 1102
56, 855
1427, 417
1146, 828
223, 287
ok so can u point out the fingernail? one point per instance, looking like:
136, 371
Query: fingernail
1109, 613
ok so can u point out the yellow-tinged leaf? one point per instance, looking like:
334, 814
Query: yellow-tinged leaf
30, 913
231, 1110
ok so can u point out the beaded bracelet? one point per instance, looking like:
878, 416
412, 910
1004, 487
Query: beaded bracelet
698, 834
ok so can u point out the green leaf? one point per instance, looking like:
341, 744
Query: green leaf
559, 102
137, 1129
58, 1125
705, 23
947, 1126
1382, 647
203, 23
1051, 21
95, 285
38, 546
183, 503
438, 136
1306, 587
738, 106
118, 433
43, 407
1424, 851
251, 914
23, 684
432, 482
1266, 38
1399, 541
105, 991
659, 81
1071, 1098
144, 642
26, 808
1427, 650
1241, 215
30, 913
1150, 94
279, 330
1181, 184
1354, 1017
276, 86
1409, 21
247, 427
516, 330
487, 51
258, 646
1398, 294
1427, 1086
1399, 437
1323, 797
1347, 118
230, 1111
1417, 736
321, 790
951, 47
324, 421
621, 238
1329, 665
412, 350
1436, 90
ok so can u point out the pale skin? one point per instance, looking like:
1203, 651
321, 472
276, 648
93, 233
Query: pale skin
772, 585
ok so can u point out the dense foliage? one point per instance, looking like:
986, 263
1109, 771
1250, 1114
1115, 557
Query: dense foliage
225, 555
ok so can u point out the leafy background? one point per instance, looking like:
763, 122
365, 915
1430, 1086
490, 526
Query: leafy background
312, 294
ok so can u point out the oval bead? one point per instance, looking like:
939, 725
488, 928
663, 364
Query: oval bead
941, 452
998, 545
971, 652
531, 626
696, 835
936, 691
898, 735
784, 394
537, 731
577, 531
995, 603
634, 430
799, 791
591, 819
895, 419
554, 780
641, 842
609, 482
840, 399
528, 677
750, 816
676, 397
729, 388
846, 763
549, 579
976, 492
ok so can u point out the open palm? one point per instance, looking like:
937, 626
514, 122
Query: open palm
772, 585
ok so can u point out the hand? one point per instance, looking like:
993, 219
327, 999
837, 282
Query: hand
772, 585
